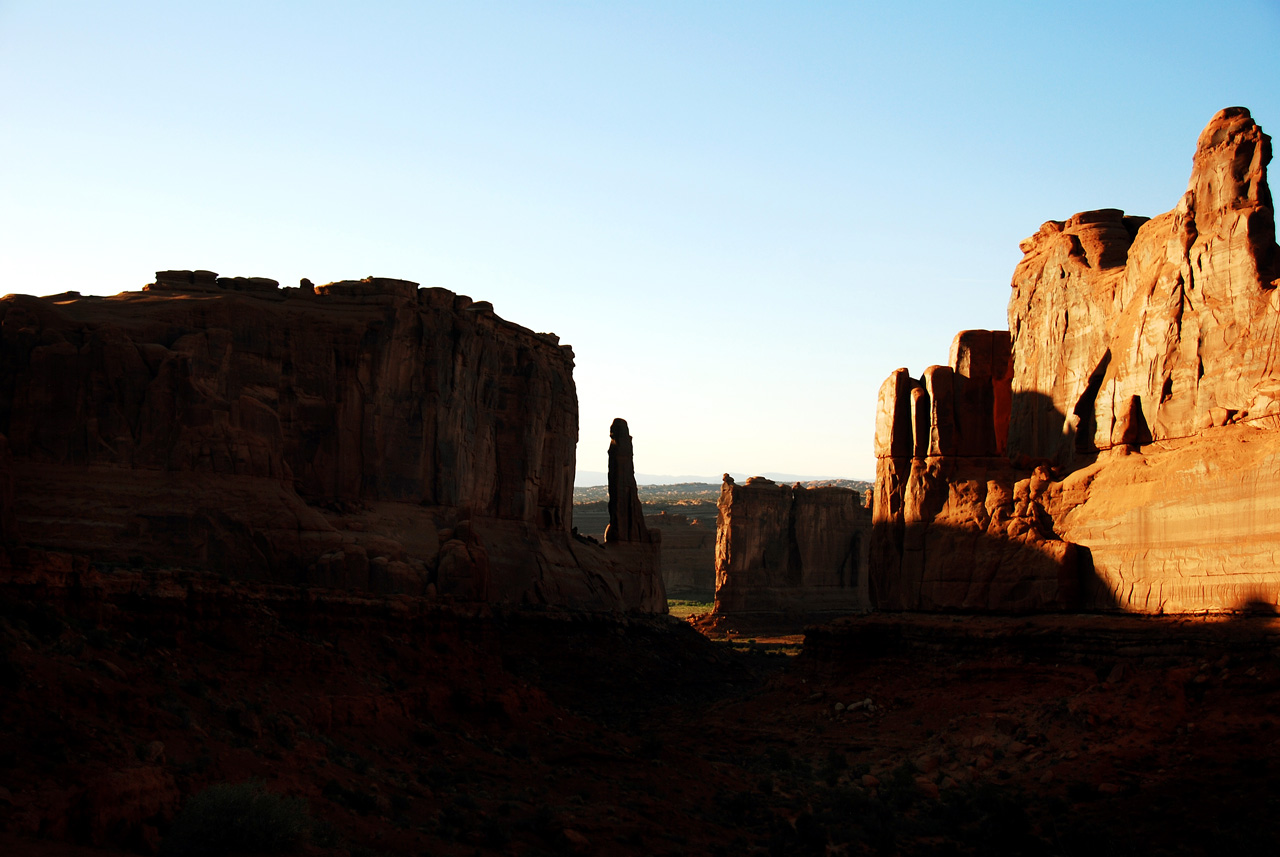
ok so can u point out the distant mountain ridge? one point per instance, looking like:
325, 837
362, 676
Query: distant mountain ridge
589, 478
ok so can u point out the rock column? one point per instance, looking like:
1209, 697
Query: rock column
626, 515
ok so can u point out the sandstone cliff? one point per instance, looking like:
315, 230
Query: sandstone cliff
362, 434
783, 548
1134, 428
1128, 330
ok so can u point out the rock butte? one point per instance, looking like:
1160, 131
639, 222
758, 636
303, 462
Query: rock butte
1116, 447
366, 435
790, 549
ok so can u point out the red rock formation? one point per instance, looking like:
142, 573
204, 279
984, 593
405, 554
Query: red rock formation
1135, 343
362, 434
782, 548
626, 539
626, 515
956, 527
1130, 330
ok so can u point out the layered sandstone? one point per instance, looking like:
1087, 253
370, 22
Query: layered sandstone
1143, 402
362, 434
786, 548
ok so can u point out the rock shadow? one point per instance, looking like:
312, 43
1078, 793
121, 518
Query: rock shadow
972, 532
944, 567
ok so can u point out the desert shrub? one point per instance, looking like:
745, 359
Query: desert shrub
226, 818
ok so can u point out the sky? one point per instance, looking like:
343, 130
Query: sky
742, 216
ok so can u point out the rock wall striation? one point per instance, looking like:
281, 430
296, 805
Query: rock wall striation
786, 548
361, 434
1129, 465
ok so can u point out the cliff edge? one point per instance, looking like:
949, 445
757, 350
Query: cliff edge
366, 435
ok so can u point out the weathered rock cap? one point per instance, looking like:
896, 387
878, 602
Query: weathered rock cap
1226, 123
248, 284
370, 287
1229, 168
376, 288
172, 281
1100, 237
208, 281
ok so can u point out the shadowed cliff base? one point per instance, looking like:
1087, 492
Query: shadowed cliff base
944, 568
1179, 526
968, 531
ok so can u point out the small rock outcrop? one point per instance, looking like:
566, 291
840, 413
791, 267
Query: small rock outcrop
361, 434
1134, 429
786, 548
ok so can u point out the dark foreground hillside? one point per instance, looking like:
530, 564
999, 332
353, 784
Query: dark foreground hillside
405, 726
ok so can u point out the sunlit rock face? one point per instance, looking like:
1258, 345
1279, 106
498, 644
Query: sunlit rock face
786, 548
1136, 330
1143, 397
362, 434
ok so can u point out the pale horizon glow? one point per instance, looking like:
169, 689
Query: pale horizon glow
741, 216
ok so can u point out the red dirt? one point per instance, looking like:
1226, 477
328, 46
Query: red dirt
417, 727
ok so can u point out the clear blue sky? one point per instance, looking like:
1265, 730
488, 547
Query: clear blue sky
742, 216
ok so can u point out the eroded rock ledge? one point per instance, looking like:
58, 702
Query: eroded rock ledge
367, 435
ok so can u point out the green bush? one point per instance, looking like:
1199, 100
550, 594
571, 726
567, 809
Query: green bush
225, 818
